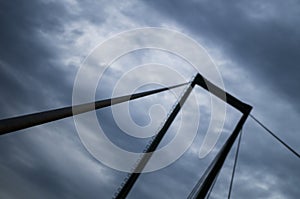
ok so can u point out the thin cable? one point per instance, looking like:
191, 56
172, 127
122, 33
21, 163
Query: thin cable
269, 131
234, 165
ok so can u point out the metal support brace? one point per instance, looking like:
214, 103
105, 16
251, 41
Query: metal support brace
202, 187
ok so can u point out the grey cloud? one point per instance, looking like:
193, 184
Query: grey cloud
27, 55
266, 45
35, 163
260, 37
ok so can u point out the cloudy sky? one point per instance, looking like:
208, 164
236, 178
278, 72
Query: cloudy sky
255, 45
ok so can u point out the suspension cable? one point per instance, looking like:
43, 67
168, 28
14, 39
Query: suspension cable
276, 137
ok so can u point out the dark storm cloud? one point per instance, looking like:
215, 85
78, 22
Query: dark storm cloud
32, 53
261, 36
35, 163
26, 57
50, 162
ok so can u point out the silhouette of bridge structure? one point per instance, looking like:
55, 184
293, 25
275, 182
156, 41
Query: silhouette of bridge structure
204, 185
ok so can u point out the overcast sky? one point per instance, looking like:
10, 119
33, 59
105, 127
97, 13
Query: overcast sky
255, 45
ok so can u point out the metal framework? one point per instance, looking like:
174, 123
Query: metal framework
202, 187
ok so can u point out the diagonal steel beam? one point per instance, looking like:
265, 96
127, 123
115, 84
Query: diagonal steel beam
202, 187
25, 121
126, 188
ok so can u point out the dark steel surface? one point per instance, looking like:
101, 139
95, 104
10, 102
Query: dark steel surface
134, 176
25, 121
